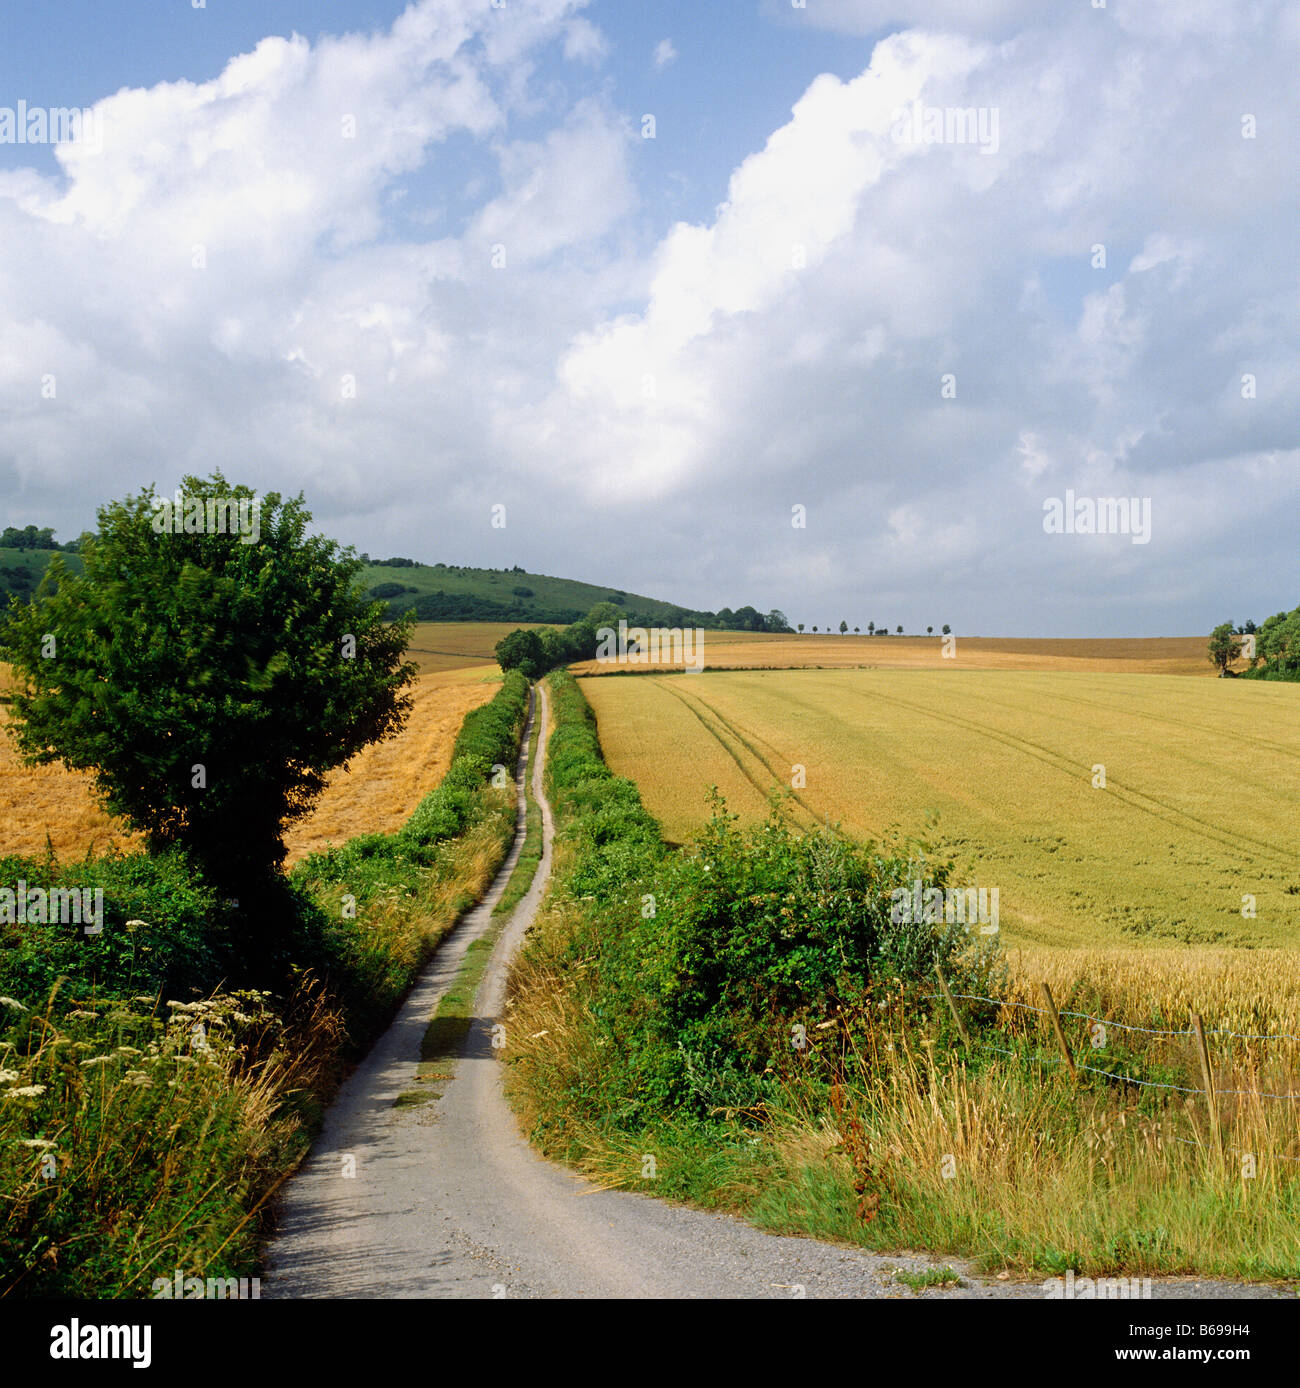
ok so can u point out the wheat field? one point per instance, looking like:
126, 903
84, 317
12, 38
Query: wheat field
739, 650
374, 794
1200, 808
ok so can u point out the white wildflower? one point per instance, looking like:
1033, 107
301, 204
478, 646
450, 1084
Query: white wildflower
14, 1003
29, 1091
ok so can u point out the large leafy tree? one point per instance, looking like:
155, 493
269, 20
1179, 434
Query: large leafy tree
208, 683
522, 650
1225, 646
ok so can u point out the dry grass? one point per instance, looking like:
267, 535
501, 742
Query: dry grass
375, 794
728, 650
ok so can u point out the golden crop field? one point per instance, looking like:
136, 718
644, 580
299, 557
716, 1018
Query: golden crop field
386, 781
460, 645
375, 794
1200, 808
739, 650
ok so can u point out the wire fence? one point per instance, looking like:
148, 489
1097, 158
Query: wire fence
1198, 1030
1124, 1026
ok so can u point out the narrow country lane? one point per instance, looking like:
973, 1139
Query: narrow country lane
449, 1200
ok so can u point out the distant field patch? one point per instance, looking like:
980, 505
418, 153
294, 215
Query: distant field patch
439, 646
1160, 655
1201, 805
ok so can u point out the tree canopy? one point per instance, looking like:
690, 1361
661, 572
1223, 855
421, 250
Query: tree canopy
208, 682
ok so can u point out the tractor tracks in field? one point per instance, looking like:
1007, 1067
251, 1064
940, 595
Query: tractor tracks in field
1140, 802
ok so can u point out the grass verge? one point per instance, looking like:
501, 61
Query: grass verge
451, 1021
142, 1132
671, 1033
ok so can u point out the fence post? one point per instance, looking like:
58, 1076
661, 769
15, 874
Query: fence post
1056, 1027
956, 1016
1207, 1075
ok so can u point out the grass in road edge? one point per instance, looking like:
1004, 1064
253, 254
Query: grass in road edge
451, 1021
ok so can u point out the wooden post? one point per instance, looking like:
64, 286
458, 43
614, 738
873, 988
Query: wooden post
1207, 1075
1056, 1027
956, 1016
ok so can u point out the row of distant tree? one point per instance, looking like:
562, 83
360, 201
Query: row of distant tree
32, 537
874, 630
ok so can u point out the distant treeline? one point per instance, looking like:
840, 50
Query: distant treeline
29, 537
467, 607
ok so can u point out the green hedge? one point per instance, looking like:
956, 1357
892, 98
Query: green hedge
698, 963
488, 737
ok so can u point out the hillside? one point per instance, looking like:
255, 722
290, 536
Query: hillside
21, 570
454, 592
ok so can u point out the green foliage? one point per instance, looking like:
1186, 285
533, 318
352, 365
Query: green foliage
384, 591
126, 1150
163, 930
1277, 648
522, 651
705, 959
259, 662
1224, 646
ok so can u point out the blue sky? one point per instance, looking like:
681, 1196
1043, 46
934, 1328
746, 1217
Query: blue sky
496, 292
737, 72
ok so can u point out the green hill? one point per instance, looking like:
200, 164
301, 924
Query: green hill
454, 592
21, 570
457, 593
